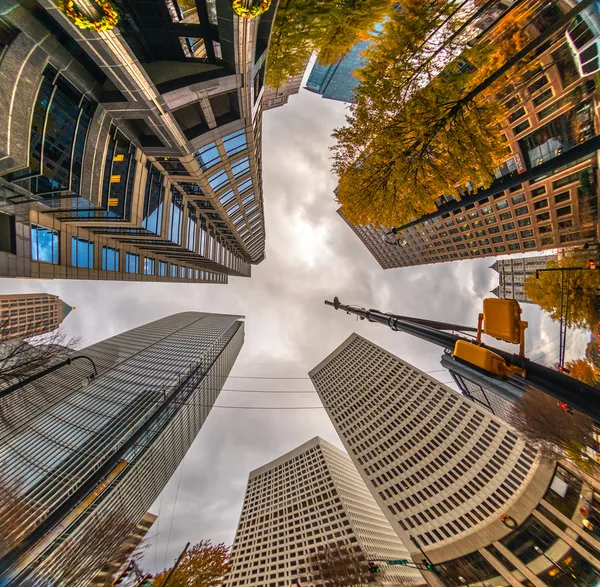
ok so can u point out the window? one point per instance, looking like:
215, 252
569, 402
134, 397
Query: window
543, 97
538, 84
543, 216
526, 233
494, 230
44, 244
226, 197
174, 270
541, 204
182, 272
240, 167
132, 263
193, 47
505, 215
490, 220
518, 199
162, 269
218, 180
521, 211
500, 249
497, 239
563, 211
559, 198
516, 115
524, 222
248, 199
502, 204
508, 226
207, 156
245, 185
82, 252
538, 191
521, 127
176, 218
235, 142
153, 200
110, 259
148, 266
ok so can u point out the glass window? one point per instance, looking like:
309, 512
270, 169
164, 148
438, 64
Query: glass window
176, 218
487, 210
543, 216
233, 209
132, 263
513, 247
490, 220
207, 156
497, 239
162, 269
235, 142
524, 222
541, 204
505, 215
526, 233
248, 199
44, 244
226, 197
252, 208
518, 198
511, 236
559, 198
148, 266
240, 167
500, 249
516, 115
182, 272
218, 180
521, 127
174, 270
245, 185
502, 204
153, 200
193, 47
110, 259
521, 211
563, 211
82, 252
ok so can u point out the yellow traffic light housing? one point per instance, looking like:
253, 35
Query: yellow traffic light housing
501, 319
485, 359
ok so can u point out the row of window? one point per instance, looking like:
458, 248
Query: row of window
45, 248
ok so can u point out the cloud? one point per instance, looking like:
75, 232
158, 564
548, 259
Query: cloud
311, 256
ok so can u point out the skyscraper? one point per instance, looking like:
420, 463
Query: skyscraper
26, 315
444, 471
550, 122
79, 462
301, 502
512, 274
275, 97
132, 154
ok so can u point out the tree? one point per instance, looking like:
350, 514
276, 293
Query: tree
583, 289
554, 432
584, 371
21, 358
203, 565
340, 566
416, 132
330, 27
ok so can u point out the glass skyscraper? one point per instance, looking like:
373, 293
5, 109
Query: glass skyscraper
83, 462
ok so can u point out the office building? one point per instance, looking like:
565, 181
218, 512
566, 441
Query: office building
86, 459
131, 544
300, 503
27, 315
549, 115
444, 471
275, 97
133, 153
512, 274
338, 81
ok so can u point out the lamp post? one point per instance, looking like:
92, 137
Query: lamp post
20, 384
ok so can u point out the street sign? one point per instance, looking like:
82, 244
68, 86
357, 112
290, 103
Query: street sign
401, 561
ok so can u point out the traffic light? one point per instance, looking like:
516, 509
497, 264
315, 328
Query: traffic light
373, 568
428, 566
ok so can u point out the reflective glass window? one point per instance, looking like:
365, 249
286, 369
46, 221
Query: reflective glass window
218, 180
207, 156
148, 266
240, 167
132, 263
235, 142
162, 269
44, 244
82, 252
110, 259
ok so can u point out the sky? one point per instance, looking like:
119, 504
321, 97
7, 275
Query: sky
311, 255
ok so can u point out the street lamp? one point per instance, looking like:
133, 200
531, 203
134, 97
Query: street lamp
542, 553
20, 384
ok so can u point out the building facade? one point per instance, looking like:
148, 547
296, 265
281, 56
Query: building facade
275, 97
27, 315
444, 471
338, 81
512, 274
84, 462
301, 502
552, 113
132, 153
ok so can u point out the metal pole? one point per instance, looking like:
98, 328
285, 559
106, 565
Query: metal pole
176, 565
572, 575
578, 395
8, 390
436, 571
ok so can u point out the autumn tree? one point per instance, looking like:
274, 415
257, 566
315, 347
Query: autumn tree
203, 565
340, 565
426, 124
330, 27
585, 371
583, 289
556, 433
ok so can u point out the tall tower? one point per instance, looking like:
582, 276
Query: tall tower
80, 461
27, 315
308, 498
512, 274
442, 469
